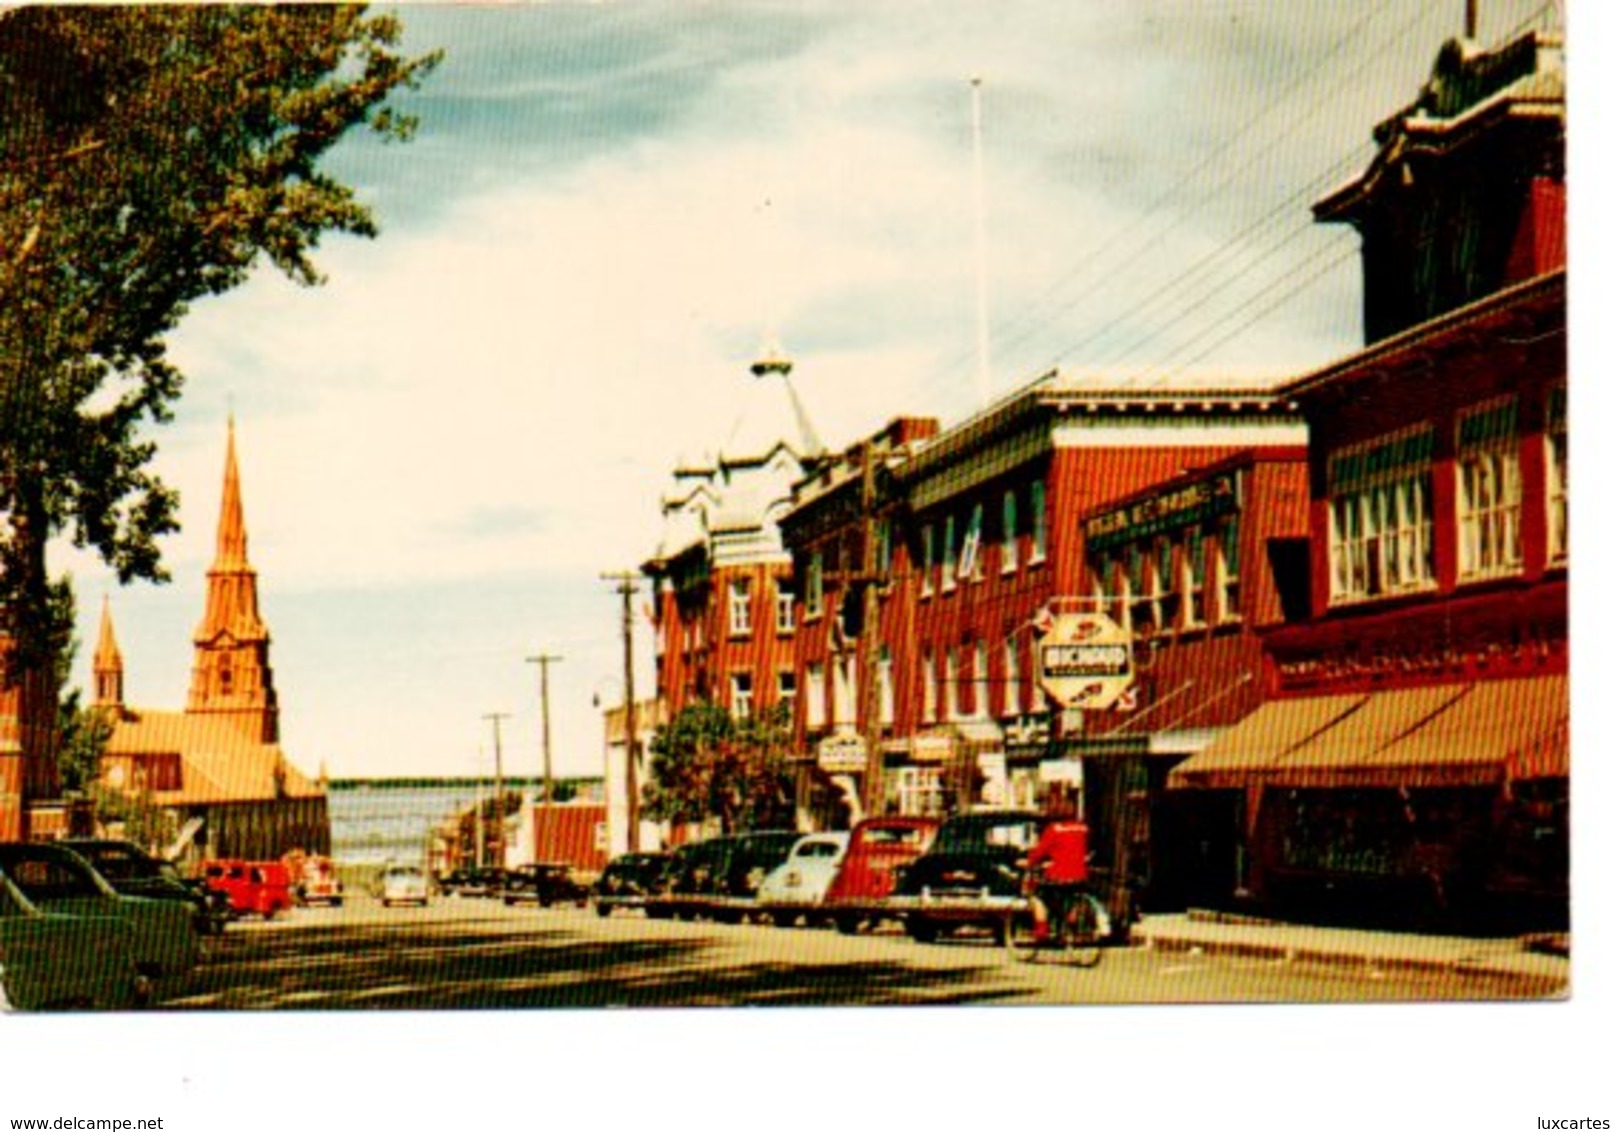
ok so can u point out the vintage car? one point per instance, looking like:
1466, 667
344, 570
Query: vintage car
627, 881
51, 961
866, 874
795, 889
254, 888
402, 884
544, 885
483, 881
134, 872
972, 877
59, 881
315, 881
718, 878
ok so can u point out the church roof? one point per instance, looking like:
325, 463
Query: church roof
219, 762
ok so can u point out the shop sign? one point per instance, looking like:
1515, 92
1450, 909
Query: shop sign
1085, 660
842, 753
1174, 510
1060, 770
931, 748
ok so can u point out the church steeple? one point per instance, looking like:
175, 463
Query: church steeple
231, 673
108, 667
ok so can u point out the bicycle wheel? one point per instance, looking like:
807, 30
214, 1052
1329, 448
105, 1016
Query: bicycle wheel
1082, 933
1019, 937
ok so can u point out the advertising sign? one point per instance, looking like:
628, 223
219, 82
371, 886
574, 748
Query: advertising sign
1085, 660
844, 752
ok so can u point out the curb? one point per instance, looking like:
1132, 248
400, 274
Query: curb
1456, 966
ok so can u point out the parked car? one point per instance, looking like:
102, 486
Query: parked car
972, 877
866, 874
795, 889
133, 871
59, 881
473, 882
628, 881
317, 882
50, 961
545, 884
402, 884
254, 888
721, 876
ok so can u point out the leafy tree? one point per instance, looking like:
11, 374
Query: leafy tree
149, 156
706, 764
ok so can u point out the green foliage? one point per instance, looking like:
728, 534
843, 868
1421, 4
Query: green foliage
83, 734
134, 816
149, 156
706, 764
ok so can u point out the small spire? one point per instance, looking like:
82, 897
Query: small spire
108, 666
232, 546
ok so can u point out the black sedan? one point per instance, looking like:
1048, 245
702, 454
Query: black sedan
134, 872
545, 885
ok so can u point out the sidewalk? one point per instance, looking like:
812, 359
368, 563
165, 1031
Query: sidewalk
1212, 934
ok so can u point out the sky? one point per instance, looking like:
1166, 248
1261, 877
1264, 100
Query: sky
610, 210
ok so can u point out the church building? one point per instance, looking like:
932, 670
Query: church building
217, 765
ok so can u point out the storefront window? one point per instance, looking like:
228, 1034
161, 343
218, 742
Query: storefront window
1192, 577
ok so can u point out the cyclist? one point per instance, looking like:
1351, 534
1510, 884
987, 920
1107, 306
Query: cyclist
1057, 871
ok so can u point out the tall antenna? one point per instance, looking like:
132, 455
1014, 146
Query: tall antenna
982, 376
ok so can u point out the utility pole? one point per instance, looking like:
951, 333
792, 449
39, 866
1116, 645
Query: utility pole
545, 661
627, 590
867, 639
495, 717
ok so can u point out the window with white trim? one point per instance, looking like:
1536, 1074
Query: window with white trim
815, 696
881, 553
1558, 479
1170, 594
1381, 522
919, 792
787, 689
886, 686
739, 621
1010, 675
742, 695
1038, 522
1143, 597
968, 568
844, 690
931, 688
813, 585
785, 609
948, 556
1488, 492
927, 586
1193, 575
980, 689
953, 700
1010, 531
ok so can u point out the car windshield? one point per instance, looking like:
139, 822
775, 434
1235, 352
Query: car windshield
817, 849
892, 835
42, 877
117, 862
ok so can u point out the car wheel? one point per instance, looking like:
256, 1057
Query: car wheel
847, 924
922, 930
508, 901
603, 910
338, 902
784, 919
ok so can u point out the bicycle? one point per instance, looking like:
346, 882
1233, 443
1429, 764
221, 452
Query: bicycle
1077, 938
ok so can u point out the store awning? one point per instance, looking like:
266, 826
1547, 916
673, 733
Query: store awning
1448, 735
1262, 738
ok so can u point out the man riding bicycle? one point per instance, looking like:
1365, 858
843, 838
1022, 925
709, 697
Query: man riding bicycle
1056, 867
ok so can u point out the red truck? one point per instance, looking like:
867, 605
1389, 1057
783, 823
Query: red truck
261, 888
878, 846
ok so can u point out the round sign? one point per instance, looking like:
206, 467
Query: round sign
1085, 660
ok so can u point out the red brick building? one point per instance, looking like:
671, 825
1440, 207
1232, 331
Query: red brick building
1415, 754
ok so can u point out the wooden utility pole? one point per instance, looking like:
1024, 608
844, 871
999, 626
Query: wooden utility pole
545, 661
867, 640
495, 717
633, 819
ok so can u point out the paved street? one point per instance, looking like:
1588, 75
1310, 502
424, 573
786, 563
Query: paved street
478, 954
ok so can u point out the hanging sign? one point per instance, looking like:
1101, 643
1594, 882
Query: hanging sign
1085, 660
843, 752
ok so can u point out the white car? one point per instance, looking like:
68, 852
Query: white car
403, 884
799, 885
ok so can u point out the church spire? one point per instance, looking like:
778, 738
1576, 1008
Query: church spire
230, 673
231, 549
108, 667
